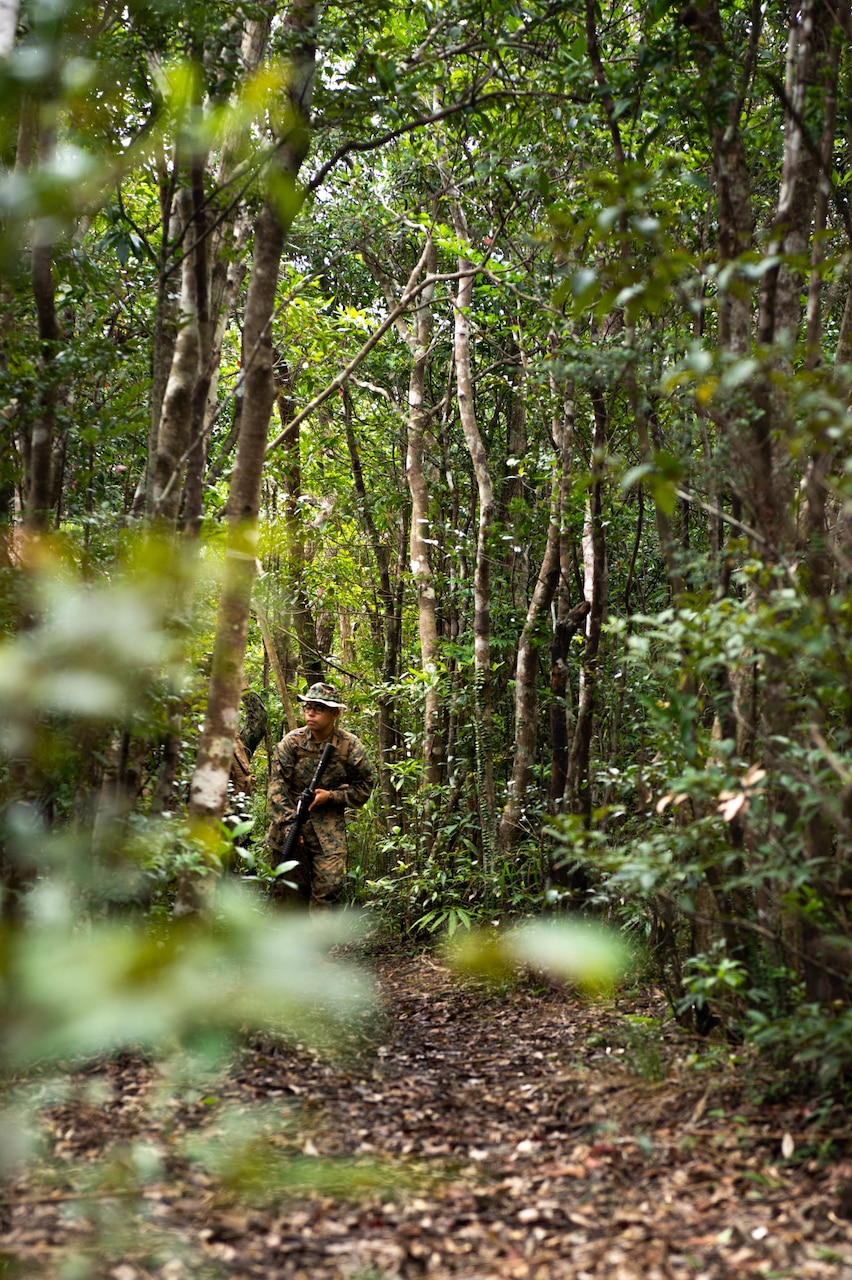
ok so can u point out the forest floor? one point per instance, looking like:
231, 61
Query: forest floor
519, 1133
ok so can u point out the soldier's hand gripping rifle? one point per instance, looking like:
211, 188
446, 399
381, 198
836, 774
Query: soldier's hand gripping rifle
303, 804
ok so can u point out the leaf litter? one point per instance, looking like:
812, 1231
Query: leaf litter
519, 1133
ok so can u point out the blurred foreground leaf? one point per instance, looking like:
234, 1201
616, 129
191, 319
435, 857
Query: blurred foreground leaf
74, 993
247, 1153
591, 956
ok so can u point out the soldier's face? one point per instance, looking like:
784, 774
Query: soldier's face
320, 719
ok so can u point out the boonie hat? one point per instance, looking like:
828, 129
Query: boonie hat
325, 694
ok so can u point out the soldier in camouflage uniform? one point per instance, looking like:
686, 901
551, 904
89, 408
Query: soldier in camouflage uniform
347, 782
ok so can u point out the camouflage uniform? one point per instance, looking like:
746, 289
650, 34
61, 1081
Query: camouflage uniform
349, 776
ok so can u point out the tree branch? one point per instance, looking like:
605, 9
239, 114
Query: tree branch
401, 130
411, 292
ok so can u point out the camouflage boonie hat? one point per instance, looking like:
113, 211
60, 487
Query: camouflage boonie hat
325, 694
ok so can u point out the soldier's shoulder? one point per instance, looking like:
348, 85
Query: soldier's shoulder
354, 752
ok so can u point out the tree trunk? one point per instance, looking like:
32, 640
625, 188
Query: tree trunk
304, 622
8, 24
561, 715
420, 530
175, 417
208, 790
526, 684
578, 784
275, 666
483, 711
418, 336
391, 627
220, 272
40, 481
163, 335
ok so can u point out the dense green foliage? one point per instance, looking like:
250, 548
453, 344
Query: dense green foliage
656, 226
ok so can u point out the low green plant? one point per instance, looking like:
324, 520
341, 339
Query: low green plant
711, 977
435, 897
444, 919
814, 1040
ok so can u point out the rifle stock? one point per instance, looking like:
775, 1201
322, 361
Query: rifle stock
303, 804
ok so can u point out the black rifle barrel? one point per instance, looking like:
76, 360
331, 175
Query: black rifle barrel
303, 804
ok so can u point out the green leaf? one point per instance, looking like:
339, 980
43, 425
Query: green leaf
583, 284
592, 956
635, 475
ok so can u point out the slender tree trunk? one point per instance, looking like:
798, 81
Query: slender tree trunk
209, 785
510, 512
526, 683
391, 630
220, 272
594, 556
304, 622
208, 789
163, 335
175, 417
420, 531
483, 710
40, 488
8, 24
532, 638
275, 666
561, 716
208, 358
418, 336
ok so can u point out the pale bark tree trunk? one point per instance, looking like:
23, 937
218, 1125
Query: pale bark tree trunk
164, 331
552, 584
8, 25
420, 533
417, 335
211, 274
578, 783
526, 683
391, 635
208, 789
39, 499
174, 425
517, 559
482, 681
209, 786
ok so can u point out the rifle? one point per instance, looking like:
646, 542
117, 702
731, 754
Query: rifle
303, 804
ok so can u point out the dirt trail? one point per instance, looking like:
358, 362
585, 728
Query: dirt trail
517, 1134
